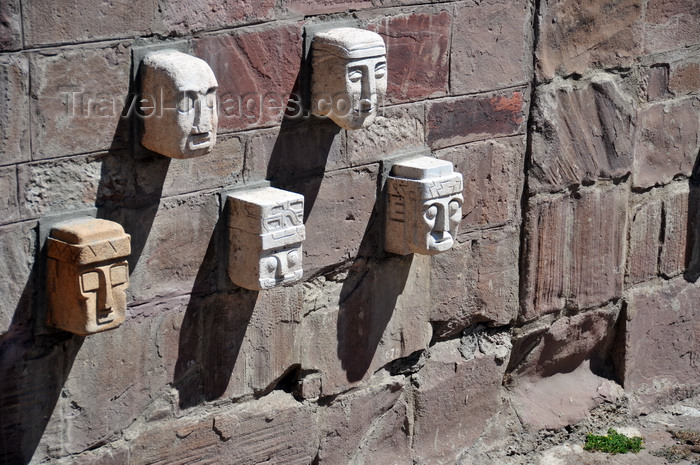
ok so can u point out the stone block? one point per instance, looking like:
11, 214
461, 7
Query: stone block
670, 24
274, 429
644, 236
677, 244
367, 426
73, 183
456, 393
573, 38
371, 316
252, 93
493, 181
685, 78
660, 341
584, 132
83, 21
495, 46
78, 96
418, 45
655, 82
9, 208
183, 16
318, 7
667, 143
476, 282
18, 248
466, 119
10, 25
396, 128
14, 115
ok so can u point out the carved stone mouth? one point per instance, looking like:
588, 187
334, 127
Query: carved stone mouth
365, 112
200, 140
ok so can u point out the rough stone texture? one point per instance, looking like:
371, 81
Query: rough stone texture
660, 341
456, 393
274, 428
675, 251
14, 114
475, 282
573, 37
417, 54
466, 119
645, 234
182, 16
670, 24
685, 78
10, 25
668, 142
584, 131
493, 181
367, 426
48, 23
251, 92
655, 82
316, 7
78, 96
17, 247
9, 210
496, 45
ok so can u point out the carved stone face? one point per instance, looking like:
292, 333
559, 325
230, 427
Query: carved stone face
349, 76
425, 207
266, 232
87, 275
180, 93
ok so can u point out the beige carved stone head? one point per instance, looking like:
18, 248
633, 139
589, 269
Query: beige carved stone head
266, 232
87, 275
424, 206
349, 76
183, 118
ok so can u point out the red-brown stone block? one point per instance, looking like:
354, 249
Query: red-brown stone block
671, 24
14, 113
182, 16
417, 46
668, 141
675, 250
575, 36
318, 7
584, 132
685, 78
78, 96
656, 82
256, 69
492, 45
645, 233
465, 119
9, 210
10, 25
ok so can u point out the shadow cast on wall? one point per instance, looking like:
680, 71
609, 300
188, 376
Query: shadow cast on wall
692, 249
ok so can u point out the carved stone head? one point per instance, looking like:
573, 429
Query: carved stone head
425, 206
183, 120
349, 76
266, 231
87, 274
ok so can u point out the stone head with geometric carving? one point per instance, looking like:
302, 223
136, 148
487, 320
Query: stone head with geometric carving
349, 76
180, 91
87, 275
424, 206
266, 231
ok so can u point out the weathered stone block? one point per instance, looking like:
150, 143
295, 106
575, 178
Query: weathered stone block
184, 16
685, 78
9, 209
417, 53
675, 250
466, 119
493, 181
655, 82
574, 37
81, 20
10, 25
670, 24
78, 96
367, 426
17, 247
476, 282
251, 92
645, 231
667, 143
495, 46
456, 393
317, 7
14, 114
661, 340
584, 132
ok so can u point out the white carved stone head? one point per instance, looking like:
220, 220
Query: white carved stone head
266, 231
424, 206
183, 120
87, 274
349, 76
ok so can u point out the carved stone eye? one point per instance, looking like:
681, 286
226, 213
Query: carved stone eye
91, 281
118, 274
431, 212
380, 70
454, 207
354, 75
293, 258
271, 264
186, 102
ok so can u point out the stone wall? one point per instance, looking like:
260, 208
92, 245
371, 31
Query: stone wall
576, 128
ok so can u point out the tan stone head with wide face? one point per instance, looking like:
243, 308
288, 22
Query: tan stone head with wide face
182, 118
349, 76
87, 275
424, 206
